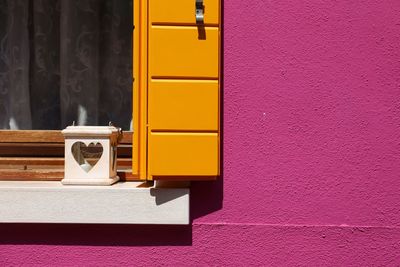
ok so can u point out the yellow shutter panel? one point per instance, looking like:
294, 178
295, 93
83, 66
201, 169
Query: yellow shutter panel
176, 52
183, 154
171, 105
182, 91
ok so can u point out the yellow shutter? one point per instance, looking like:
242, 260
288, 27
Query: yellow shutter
178, 91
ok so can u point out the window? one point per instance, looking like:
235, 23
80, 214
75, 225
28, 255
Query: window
176, 88
61, 61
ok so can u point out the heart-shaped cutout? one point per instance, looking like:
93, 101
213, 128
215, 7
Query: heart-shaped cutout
87, 156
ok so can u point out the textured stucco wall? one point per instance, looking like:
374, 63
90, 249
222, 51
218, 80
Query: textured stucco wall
311, 152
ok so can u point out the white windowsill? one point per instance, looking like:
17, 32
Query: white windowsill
121, 203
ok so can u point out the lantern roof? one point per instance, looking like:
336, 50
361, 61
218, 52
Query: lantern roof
92, 131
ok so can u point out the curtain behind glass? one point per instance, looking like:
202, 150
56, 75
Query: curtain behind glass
64, 61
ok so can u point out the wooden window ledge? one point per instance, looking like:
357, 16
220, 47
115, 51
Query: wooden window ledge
36, 155
121, 203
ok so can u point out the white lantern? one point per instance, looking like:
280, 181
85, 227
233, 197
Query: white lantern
91, 155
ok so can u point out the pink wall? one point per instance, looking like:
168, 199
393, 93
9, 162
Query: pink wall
311, 151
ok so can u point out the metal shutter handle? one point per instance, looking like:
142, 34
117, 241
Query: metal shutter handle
199, 12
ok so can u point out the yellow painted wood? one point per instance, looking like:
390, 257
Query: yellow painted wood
176, 90
143, 89
182, 11
178, 52
184, 105
183, 154
140, 62
135, 94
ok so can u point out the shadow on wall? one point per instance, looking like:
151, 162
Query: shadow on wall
88, 235
205, 197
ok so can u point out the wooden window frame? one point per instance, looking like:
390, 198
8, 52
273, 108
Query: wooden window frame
38, 155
